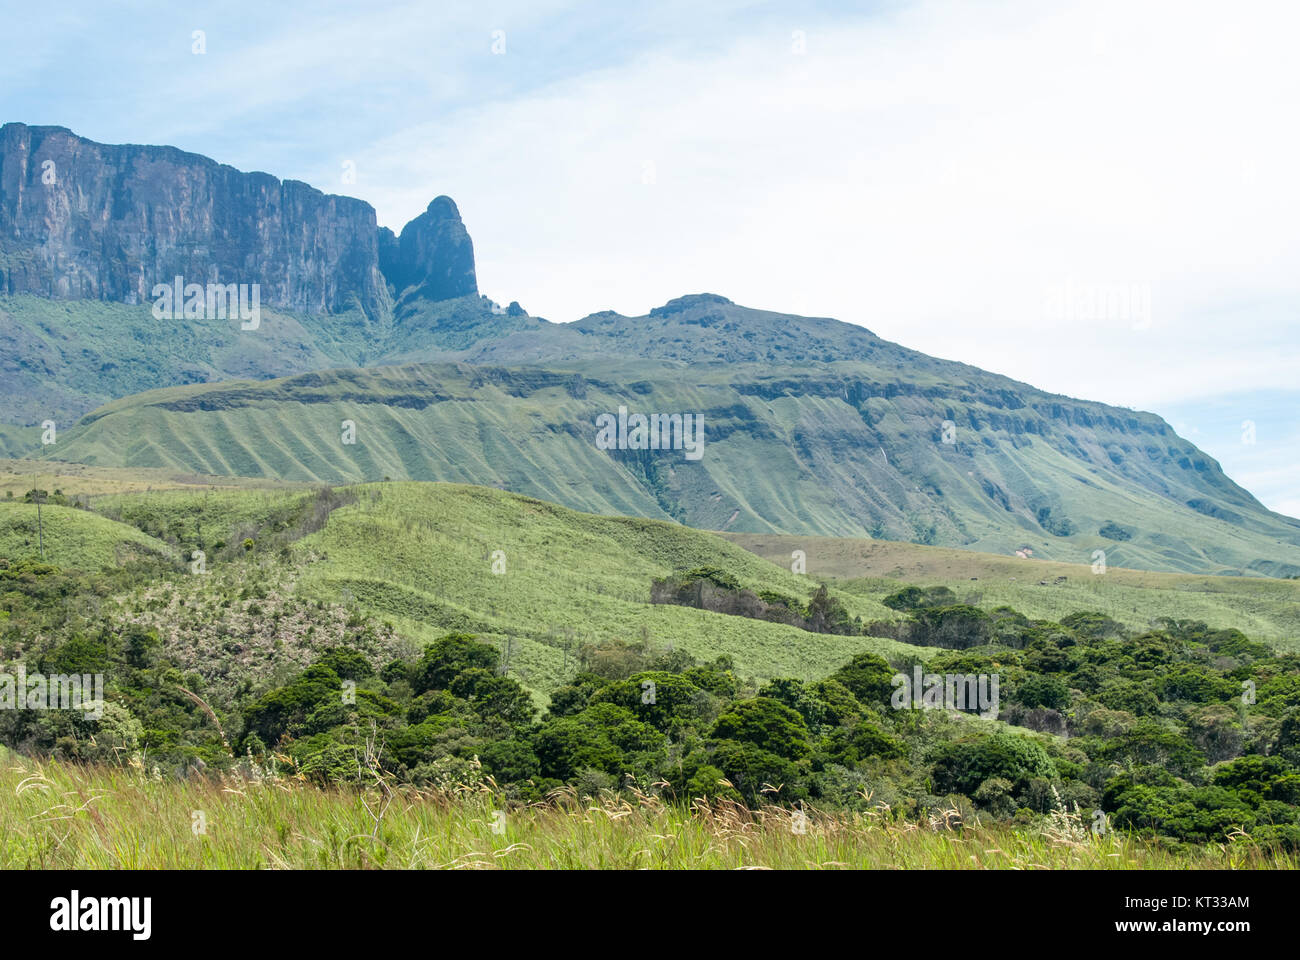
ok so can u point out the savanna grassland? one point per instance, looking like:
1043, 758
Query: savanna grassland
813, 425
1264, 607
59, 816
368, 675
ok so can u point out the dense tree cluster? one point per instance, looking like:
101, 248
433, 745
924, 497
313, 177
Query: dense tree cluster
717, 590
1180, 730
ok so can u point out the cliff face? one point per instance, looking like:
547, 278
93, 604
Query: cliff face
84, 220
434, 253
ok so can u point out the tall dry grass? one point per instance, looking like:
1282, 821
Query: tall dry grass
55, 815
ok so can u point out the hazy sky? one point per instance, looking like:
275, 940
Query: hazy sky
1098, 198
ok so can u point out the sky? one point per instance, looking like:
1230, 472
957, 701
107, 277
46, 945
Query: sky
1099, 198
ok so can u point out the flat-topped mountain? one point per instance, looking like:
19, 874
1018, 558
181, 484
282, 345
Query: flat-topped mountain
810, 425
88, 231
874, 441
86, 220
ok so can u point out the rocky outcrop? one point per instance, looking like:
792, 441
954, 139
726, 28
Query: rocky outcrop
85, 220
434, 253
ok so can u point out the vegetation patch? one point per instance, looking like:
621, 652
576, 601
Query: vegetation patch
716, 590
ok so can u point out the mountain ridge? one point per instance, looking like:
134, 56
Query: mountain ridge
814, 451
813, 425
86, 220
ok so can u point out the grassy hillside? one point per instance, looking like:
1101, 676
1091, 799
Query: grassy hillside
821, 453
78, 479
1264, 608
75, 539
61, 359
422, 555
325, 644
811, 425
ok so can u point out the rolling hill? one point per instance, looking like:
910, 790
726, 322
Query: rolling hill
71, 538
433, 557
421, 556
853, 447
1265, 608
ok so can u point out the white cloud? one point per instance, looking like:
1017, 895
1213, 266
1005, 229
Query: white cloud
930, 170
930, 174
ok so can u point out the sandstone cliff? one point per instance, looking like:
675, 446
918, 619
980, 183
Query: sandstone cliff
85, 220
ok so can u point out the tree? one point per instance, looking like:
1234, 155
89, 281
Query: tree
961, 766
1149, 741
348, 663
827, 615
510, 761
751, 769
576, 694
285, 710
663, 700
825, 703
849, 746
867, 677
605, 736
710, 782
491, 696
956, 627
449, 656
1040, 691
766, 723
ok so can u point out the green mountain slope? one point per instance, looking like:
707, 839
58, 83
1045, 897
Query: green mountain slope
72, 538
62, 358
430, 558
850, 448
813, 426
422, 556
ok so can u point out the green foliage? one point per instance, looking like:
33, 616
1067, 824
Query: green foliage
961, 766
826, 614
286, 710
777, 599
715, 575
598, 687
755, 774
1153, 743
915, 598
444, 660
868, 677
1041, 691
766, 723
1113, 531
603, 737
955, 627
851, 745
668, 702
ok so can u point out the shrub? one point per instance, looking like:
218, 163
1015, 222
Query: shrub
767, 724
961, 766
867, 677
445, 658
